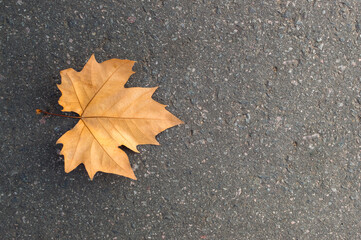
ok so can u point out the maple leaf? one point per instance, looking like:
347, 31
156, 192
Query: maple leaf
110, 116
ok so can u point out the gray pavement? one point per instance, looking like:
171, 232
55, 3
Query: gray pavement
270, 92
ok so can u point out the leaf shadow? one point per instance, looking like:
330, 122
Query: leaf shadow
128, 151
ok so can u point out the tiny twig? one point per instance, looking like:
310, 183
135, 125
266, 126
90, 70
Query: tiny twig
38, 111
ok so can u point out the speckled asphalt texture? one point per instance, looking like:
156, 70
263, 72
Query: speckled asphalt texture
269, 92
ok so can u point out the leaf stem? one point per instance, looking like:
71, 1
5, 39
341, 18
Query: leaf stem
38, 111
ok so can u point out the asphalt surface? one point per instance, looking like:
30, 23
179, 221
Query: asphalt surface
270, 92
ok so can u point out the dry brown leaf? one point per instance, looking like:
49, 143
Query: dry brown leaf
109, 116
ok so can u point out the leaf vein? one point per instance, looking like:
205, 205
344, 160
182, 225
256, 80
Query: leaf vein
111, 75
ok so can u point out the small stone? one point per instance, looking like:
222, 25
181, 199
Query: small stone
287, 14
342, 68
251, 10
320, 46
24, 178
131, 19
354, 197
248, 118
